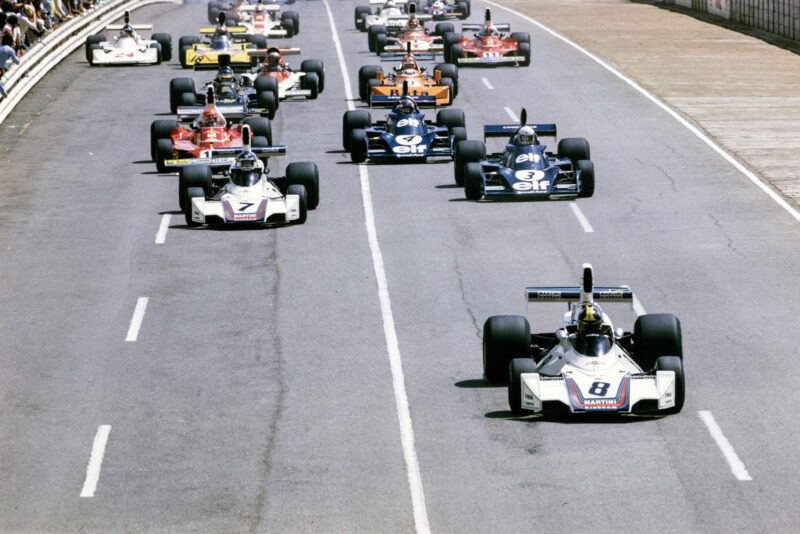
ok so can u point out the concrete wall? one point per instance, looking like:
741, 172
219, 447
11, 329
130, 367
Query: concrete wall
781, 17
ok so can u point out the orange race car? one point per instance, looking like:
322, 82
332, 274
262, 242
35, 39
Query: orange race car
379, 89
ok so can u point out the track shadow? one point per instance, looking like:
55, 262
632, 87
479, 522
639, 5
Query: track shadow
143, 162
448, 186
164, 114
477, 383
573, 419
176, 212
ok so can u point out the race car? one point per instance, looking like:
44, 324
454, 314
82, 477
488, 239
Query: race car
374, 86
445, 9
387, 13
128, 48
488, 47
404, 134
177, 143
587, 366
260, 19
234, 41
277, 76
248, 195
394, 40
524, 169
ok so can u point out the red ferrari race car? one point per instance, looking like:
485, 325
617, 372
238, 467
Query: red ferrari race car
489, 47
179, 143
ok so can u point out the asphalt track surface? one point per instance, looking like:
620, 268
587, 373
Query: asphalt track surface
258, 395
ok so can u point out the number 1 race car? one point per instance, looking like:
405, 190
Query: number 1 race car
489, 47
128, 48
587, 365
404, 134
248, 195
525, 169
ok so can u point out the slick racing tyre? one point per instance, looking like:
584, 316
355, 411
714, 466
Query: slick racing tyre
300, 191
525, 51
473, 181
443, 28
310, 82
515, 370
95, 39
192, 192
505, 337
450, 38
186, 43
466, 151
574, 149
268, 103
178, 86
448, 70
381, 41
316, 66
267, 83
165, 40
305, 173
586, 169
521, 37
675, 364
372, 35
451, 118
352, 120
360, 13
656, 335
188, 177
261, 126
213, 11
358, 146
459, 133
160, 129
259, 41
451, 89
290, 19
366, 73
164, 151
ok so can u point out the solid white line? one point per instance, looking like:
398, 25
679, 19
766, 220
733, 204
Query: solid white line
511, 114
136, 320
737, 466
390, 333
638, 309
487, 84
95, 461
161, 235
673, 113
581, 217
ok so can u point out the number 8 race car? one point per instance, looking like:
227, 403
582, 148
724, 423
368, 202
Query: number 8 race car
587, 365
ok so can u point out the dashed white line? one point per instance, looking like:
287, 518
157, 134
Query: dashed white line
737, 466
581, 218
136, 320
161, 235
421, 522
488, 84
511, 114
95, 461
638, 309
671, 112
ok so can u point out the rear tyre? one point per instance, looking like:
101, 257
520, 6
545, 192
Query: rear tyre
473, 181
586, 170
186, 43
459, 133
290, 19
467, 151
160, 129
267, 83
373, 33
464, 7
352, 120
213, 11
656, 335
258, 40
310, 82
316, 66
360, 13
300, 191
261, 126
443, 28
165, 40
574, 149
199, 176
451, 118
187, 99
366, 73
675, 364
163, 152
380, 43
177, 87
450, 38
515, 370
358, 146
305, 173
267, 102
525, 51
521, 37
192, 192
505, 337
95, 39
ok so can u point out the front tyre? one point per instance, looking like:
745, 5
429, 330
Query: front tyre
516, 368
674, 364
305, 173
473, 181
505, 337
300, 191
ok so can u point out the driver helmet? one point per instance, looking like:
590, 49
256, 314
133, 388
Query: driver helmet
593, 337
526, 136
390, 4
590, 319
405, 106
489, 29
409, 63
127, 31
273, 59
211, 117
246, 171
413, 22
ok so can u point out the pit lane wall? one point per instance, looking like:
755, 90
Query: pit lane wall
53, 48
781, 17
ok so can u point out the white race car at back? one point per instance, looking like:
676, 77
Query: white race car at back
263, 19
128, 48
389, 13
586, 365
247, 195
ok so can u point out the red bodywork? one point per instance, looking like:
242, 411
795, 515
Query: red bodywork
190, 141
489, 46
414, 37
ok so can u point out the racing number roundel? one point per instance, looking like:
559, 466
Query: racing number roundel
408, 140
529, 175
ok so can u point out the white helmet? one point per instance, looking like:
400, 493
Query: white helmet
526, 136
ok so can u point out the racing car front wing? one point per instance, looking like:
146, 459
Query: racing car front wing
281, 210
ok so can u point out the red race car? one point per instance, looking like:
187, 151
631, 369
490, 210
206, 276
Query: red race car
210, 137
488, 47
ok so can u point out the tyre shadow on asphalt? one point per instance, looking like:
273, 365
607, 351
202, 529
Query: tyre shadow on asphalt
573, 419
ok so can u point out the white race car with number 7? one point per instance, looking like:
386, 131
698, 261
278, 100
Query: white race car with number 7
587, 365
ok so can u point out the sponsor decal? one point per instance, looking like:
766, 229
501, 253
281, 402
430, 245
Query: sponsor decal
408, 140
548, 294
597, 401
407, 122
532, 187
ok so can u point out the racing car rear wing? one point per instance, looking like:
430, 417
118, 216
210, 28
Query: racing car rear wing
573, 294
419, 56
264, 7
225, 157
505, 130
478, 27
262, 52
230, 111
231, 29
390, 100
137, 27
383, 2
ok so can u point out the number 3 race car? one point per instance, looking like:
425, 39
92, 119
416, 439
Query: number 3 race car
587, 365
525, 170
128, 48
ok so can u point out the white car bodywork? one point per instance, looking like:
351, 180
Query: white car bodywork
267, 25
256, 204
290, 87
125, 50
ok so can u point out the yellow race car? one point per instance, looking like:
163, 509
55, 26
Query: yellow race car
233, 41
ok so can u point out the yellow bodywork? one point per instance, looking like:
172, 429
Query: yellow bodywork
202, 55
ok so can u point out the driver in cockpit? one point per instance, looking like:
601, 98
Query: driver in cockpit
594, 336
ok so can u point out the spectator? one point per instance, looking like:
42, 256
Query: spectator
7, 55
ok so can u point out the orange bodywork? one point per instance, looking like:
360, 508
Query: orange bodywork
419, 84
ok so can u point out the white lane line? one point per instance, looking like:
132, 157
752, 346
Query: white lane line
673, 113
488, 84
511, 114
161, 235
136, 320
737, 466
581, 217
95, 461
638, 309
389, 330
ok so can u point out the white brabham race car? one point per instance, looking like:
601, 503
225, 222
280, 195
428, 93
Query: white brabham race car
128, 48
587, 365
390, 13
248, 195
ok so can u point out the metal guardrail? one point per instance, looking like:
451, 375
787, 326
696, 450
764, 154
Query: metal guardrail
54, 47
